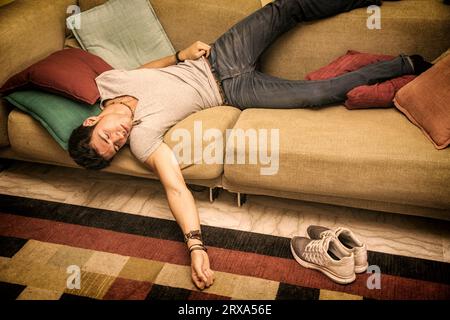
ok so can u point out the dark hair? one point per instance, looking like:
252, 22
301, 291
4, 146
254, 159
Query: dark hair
81, 151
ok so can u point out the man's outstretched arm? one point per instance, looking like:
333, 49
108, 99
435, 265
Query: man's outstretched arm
195, 51
182, 204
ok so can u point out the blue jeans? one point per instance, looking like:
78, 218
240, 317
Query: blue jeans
234, 58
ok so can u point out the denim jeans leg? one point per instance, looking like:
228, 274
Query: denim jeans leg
258, 90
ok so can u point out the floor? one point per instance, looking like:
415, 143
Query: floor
384, 232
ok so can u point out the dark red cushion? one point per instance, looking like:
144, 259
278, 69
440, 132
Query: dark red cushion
69, 72
351, 61
380, 95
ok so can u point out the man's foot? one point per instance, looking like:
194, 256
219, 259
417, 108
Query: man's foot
420, 65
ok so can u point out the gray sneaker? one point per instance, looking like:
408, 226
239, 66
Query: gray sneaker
326, 255
348, 240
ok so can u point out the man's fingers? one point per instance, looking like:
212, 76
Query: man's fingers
210, 277
200, 53
201, 274
212, 274
208, 272
206, 48
203, 45
198, 282
199, 49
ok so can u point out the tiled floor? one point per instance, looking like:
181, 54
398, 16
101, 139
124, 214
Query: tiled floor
390, 233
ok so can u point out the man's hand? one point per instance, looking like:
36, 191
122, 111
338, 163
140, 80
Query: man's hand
202, 275
195, 51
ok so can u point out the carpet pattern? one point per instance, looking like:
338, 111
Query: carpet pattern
124, 256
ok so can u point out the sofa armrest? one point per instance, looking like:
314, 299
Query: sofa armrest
5, 109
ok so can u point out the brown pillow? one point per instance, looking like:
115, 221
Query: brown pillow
68, 72
426, 102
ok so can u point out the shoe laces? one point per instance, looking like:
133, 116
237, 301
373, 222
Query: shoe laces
328, 233
315, 250
333, 232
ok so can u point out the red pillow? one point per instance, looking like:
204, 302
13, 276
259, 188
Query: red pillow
351, 61
380, 95
69, 72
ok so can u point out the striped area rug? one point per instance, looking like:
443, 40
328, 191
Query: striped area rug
124, 256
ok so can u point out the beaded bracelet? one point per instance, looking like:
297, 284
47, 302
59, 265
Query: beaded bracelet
195, 234
197, 246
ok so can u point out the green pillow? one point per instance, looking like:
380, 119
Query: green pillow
125, 33
57, 114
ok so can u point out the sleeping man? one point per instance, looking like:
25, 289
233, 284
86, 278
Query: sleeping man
142, 105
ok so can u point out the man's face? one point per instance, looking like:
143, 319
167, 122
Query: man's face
111, 132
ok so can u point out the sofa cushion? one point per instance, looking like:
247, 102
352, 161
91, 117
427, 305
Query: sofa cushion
29, 32
190, 20
58, 115
5, 2
203, 144
426, 102
69, 72
126, 34
373, 154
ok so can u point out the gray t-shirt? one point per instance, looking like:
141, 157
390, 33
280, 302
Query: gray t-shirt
166, 96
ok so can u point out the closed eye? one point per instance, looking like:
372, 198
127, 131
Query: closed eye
107, 139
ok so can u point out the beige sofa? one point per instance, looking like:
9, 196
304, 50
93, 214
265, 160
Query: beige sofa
373, 159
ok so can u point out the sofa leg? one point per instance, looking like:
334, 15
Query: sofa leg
213, 194
241, 199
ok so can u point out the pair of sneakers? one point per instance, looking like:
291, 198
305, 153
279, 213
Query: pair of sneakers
336, 253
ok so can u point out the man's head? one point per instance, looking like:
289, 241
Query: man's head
95, 143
